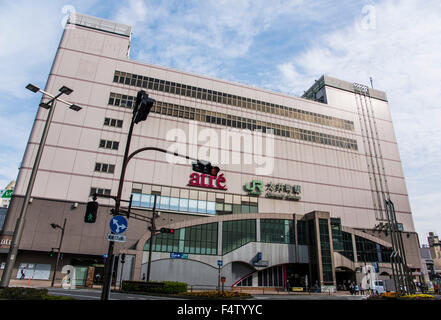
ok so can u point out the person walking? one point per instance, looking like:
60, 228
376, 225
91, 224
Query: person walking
351, 289
288, 286
22, 274
356, 289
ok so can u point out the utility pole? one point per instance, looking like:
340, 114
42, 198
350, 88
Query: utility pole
59, 248
152, 234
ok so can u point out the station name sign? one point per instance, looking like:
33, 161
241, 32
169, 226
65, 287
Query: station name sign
273, 190
206, 181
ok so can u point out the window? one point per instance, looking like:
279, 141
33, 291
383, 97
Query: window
337, 238
237, 233
99, 191
198, 239
104, 167
348, 250
113, 122
219, 97
325, 247
107, 144
277, 231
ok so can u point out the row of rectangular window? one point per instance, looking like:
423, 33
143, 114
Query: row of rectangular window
108, 144
250, 124
104, 167
229, 99
113, 122
100, 191
191, 205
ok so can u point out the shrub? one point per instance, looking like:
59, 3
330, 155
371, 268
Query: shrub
19, 293
214, 294
167, 287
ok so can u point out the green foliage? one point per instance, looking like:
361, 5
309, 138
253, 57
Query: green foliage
19, 293
166, 287
216, 295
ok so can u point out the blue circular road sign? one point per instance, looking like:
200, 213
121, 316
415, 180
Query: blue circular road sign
118, 224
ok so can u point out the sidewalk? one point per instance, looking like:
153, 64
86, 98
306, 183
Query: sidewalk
42, 284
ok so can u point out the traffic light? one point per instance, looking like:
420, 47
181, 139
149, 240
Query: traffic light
205, 167
51, 253
91, 211
143, 106
167, 230
123, 258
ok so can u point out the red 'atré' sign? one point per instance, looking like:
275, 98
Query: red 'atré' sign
206, 181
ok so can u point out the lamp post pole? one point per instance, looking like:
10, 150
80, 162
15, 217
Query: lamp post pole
18, 231
152, 234
59, 250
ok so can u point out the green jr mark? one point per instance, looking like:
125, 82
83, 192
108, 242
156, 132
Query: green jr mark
256, 188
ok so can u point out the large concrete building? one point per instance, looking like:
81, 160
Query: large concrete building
299, 197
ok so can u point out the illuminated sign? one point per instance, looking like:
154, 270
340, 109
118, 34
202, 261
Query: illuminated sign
273, 190
206, 181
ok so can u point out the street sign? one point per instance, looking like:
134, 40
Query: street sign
262, 263
115, 237
7, 194
118, 224
174, 255
219, 263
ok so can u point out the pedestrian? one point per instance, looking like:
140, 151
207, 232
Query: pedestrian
351, 289
436, 287
288, 286
361, 289
356, 289
143, 277
22, 274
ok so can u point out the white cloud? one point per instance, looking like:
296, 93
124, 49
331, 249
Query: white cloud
403, 55
198, 36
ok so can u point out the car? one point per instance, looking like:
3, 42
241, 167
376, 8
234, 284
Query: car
378, 287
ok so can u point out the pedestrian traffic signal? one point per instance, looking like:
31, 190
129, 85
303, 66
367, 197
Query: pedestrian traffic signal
143, 106
167, 230
91, 212
123, 258
205, 167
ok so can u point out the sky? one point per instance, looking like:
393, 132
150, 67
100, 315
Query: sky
278, 45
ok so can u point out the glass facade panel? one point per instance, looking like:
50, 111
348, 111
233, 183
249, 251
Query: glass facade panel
277, 231
302, 232
237, 233
337, 238
325, 247
184, 204
348, 249
199, 239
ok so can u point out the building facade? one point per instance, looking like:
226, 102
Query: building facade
298, 200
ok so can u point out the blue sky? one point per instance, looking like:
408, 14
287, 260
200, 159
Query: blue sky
281, 47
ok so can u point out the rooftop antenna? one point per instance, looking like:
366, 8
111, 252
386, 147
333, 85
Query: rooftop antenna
372, 84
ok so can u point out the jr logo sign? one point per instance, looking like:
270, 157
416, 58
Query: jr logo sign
254, 188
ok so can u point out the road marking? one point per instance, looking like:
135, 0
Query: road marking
73, 295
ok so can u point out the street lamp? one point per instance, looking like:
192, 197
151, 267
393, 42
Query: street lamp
55, 226
18, 231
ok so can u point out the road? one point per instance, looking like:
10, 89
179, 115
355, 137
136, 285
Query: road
88, 294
